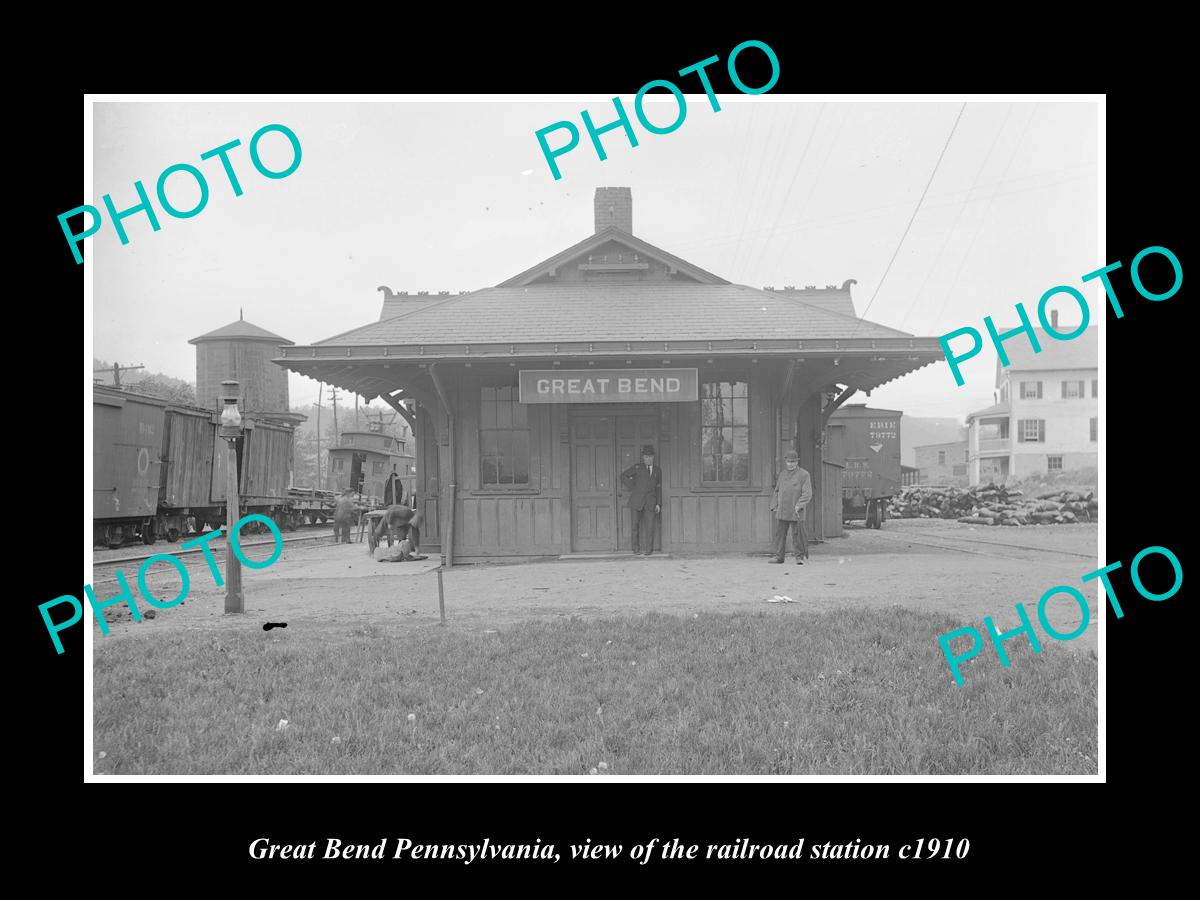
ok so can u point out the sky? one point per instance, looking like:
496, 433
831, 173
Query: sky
452, 196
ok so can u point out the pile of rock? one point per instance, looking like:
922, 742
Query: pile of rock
993, 505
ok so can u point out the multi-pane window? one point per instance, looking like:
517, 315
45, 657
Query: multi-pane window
1031, 390
339, 464
941, 457
1072, 389
724, 432
1031, 430
503, 438
1093, 421
377, 468
1053, 463
960, 470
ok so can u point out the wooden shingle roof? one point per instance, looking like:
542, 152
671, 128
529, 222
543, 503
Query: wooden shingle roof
629, 311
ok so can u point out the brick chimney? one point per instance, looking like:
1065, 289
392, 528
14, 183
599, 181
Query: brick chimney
614, 206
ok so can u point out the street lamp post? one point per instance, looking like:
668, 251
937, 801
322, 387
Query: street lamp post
231, 430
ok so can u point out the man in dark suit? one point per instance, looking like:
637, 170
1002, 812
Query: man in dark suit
644, 482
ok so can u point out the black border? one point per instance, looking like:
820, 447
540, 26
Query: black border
206, 835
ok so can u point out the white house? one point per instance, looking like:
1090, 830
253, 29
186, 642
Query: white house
1045, 418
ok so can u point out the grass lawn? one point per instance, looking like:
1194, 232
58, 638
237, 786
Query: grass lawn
850, 691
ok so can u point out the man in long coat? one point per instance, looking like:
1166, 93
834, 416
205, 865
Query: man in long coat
793, 491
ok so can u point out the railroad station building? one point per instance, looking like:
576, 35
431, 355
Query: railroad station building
528, 399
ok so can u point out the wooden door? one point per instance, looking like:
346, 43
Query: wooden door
593, 488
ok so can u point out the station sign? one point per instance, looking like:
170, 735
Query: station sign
609, 385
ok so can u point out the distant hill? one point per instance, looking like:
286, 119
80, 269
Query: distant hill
916, 431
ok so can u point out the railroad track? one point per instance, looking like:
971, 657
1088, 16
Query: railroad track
1001, 544
181, 552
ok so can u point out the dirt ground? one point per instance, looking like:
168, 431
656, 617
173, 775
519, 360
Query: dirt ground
935, 565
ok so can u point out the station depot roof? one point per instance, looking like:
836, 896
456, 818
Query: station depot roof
539, 316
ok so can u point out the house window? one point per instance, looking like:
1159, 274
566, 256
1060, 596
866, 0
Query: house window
1093, 422
1031, 430
503, 438
941, 457
1095, 385
725, 432
1031, 390
1072, 389
1053, 463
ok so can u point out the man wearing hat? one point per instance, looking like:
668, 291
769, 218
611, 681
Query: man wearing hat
345, 512
644, 483
793, 490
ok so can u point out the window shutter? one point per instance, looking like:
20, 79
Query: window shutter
1039, 390
1064, 390
1041, 430
1021, 431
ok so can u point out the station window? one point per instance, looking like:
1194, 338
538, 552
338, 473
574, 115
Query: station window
1094, 422
1031, 390
941, 457
960, 470
724, 432
1053, 463
1072, 389
339, 464
503, 438
377, 468
1031, 430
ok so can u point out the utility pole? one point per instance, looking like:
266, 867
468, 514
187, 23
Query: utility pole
356, 412
333, 397
117, 369
320, 395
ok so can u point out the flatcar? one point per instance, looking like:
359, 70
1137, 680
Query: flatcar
866, 441
159, 469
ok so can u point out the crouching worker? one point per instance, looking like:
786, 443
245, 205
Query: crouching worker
403, 523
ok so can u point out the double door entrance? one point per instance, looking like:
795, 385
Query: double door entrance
603, 445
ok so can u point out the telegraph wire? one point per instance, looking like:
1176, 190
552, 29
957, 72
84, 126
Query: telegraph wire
957, 218
983, 218
792, 183
932, 174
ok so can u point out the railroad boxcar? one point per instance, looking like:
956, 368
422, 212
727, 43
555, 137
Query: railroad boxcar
159, 468
866, 441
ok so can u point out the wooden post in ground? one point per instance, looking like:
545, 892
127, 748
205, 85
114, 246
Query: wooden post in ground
441, 598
